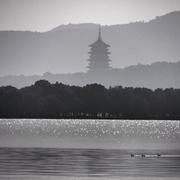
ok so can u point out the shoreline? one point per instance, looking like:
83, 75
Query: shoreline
93, 118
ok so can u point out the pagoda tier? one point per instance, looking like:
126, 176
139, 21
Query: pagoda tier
99, 56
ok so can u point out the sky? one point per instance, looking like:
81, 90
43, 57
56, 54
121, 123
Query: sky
43, 15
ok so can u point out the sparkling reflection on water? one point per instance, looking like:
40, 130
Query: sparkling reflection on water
121, 134
62, 149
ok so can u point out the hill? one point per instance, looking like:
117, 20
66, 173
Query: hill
65, 48
156, 75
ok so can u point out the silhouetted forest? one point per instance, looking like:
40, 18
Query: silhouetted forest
46, 100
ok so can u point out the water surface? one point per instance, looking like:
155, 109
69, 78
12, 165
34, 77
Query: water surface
89, 149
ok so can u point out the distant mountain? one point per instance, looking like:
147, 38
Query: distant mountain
65, 48
156, 75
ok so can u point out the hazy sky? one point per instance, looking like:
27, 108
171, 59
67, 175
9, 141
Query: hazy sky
42, 15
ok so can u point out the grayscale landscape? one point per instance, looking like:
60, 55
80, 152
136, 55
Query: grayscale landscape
65, 49
156, 75
89, 90
143, 54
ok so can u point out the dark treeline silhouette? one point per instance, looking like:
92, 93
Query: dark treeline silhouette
46, 100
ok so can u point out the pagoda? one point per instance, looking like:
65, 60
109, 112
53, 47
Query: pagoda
99, 56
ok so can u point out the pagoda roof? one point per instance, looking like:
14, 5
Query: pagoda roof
99, 42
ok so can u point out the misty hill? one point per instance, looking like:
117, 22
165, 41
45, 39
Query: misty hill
65, 48
46, 100
156, 75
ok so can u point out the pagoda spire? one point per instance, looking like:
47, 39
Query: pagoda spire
99, 36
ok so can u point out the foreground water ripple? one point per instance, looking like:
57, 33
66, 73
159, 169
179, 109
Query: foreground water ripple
43, 149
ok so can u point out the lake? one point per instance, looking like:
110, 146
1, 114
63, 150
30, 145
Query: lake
40, 149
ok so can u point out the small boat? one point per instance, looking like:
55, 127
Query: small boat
132, 155
158, 155
143, 155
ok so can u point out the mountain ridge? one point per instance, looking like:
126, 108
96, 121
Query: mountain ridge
156, 75
66, 50
63, 51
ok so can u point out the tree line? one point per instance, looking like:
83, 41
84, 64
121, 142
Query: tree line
46, 100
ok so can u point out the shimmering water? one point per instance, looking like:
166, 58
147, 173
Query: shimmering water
89, 149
